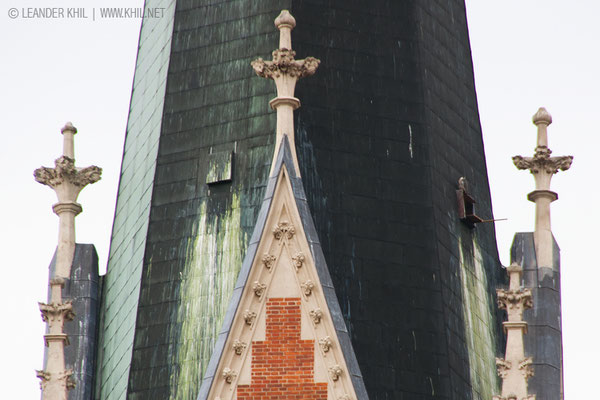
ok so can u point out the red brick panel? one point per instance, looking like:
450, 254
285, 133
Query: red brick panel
283, 364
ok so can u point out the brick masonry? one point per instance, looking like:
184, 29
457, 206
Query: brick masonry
283, 364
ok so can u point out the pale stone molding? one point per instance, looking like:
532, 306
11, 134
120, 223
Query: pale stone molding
285, 70
543, 167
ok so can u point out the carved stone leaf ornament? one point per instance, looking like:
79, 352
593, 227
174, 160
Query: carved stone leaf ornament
268, 260
249, 317
65, 171
316, 315
325, 343
510, 299
54, 312
335, 372
238, 347
259, 288
284, 229
228, 374
503, 367
66, 379
541, 161
298, 260
308, 287
44, 377
284, 63
526, 368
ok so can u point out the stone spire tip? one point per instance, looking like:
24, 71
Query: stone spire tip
285, 19
542, 116
514, 267
69, 127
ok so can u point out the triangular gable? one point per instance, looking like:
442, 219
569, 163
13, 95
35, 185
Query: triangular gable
284, 333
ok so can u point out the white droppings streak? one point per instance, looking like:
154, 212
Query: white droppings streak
410, 141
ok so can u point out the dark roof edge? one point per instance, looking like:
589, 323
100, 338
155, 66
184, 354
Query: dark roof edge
284, 158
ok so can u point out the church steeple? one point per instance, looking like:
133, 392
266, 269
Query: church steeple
67, 181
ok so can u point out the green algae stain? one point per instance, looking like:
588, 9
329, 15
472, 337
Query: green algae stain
479, 321
207, 281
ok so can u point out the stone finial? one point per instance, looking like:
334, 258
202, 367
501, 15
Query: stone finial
542, 116
68, 128
285, 19
67, 181
542, 166
285, 70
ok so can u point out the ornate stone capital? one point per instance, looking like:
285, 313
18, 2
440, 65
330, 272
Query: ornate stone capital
54, 313
541, 161
514, 301
285, 63
65, 171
